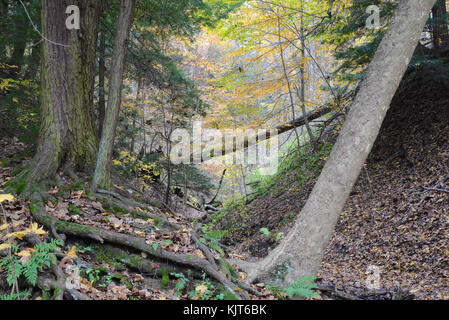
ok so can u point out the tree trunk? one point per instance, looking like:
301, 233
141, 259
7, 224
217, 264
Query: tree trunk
302, 68
19, 45
102, 176
33, 60
3, 7
134, 116
101, 80
301, 252
3, 14
440, 28
67, 132
284, 69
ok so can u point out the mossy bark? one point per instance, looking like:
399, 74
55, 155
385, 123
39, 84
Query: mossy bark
67, 134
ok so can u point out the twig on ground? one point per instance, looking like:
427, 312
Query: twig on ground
436, 189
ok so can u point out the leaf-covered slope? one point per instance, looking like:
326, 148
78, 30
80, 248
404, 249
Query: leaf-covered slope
390, 219
401, 227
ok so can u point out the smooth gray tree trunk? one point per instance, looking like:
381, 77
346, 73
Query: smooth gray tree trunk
301, 252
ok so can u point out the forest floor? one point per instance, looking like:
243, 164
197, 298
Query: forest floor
392, 219
396, 218
142, 252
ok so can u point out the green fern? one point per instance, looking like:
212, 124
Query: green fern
13, 296
302, 287
43, 255
212, 238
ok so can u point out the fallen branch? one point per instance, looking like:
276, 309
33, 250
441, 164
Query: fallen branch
443, 181
437, 186
335, 293
127, 201
109, 201
249, 141
436, 189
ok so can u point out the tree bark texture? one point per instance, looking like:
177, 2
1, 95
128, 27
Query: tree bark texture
67, 134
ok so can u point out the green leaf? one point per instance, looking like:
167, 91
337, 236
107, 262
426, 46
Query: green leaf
302, 287
216, 247
265, 231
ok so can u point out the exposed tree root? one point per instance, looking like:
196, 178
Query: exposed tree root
205, 250
146, 266
127, 201
111, 202
123, 240
252, 269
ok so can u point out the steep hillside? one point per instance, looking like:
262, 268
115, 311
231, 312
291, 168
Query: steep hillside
400, 226
390, 220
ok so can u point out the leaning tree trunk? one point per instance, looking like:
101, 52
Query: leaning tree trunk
301, 253
67, 135
102, 176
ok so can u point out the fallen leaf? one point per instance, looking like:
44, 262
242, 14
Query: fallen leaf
4, 246
201, 288
200, 254
4, 226
6, 197
72, 252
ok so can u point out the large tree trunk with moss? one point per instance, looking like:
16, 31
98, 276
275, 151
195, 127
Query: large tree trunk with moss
301, 252
440, 29
102, 176
67, 136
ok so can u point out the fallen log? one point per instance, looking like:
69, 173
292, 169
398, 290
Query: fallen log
250, 141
